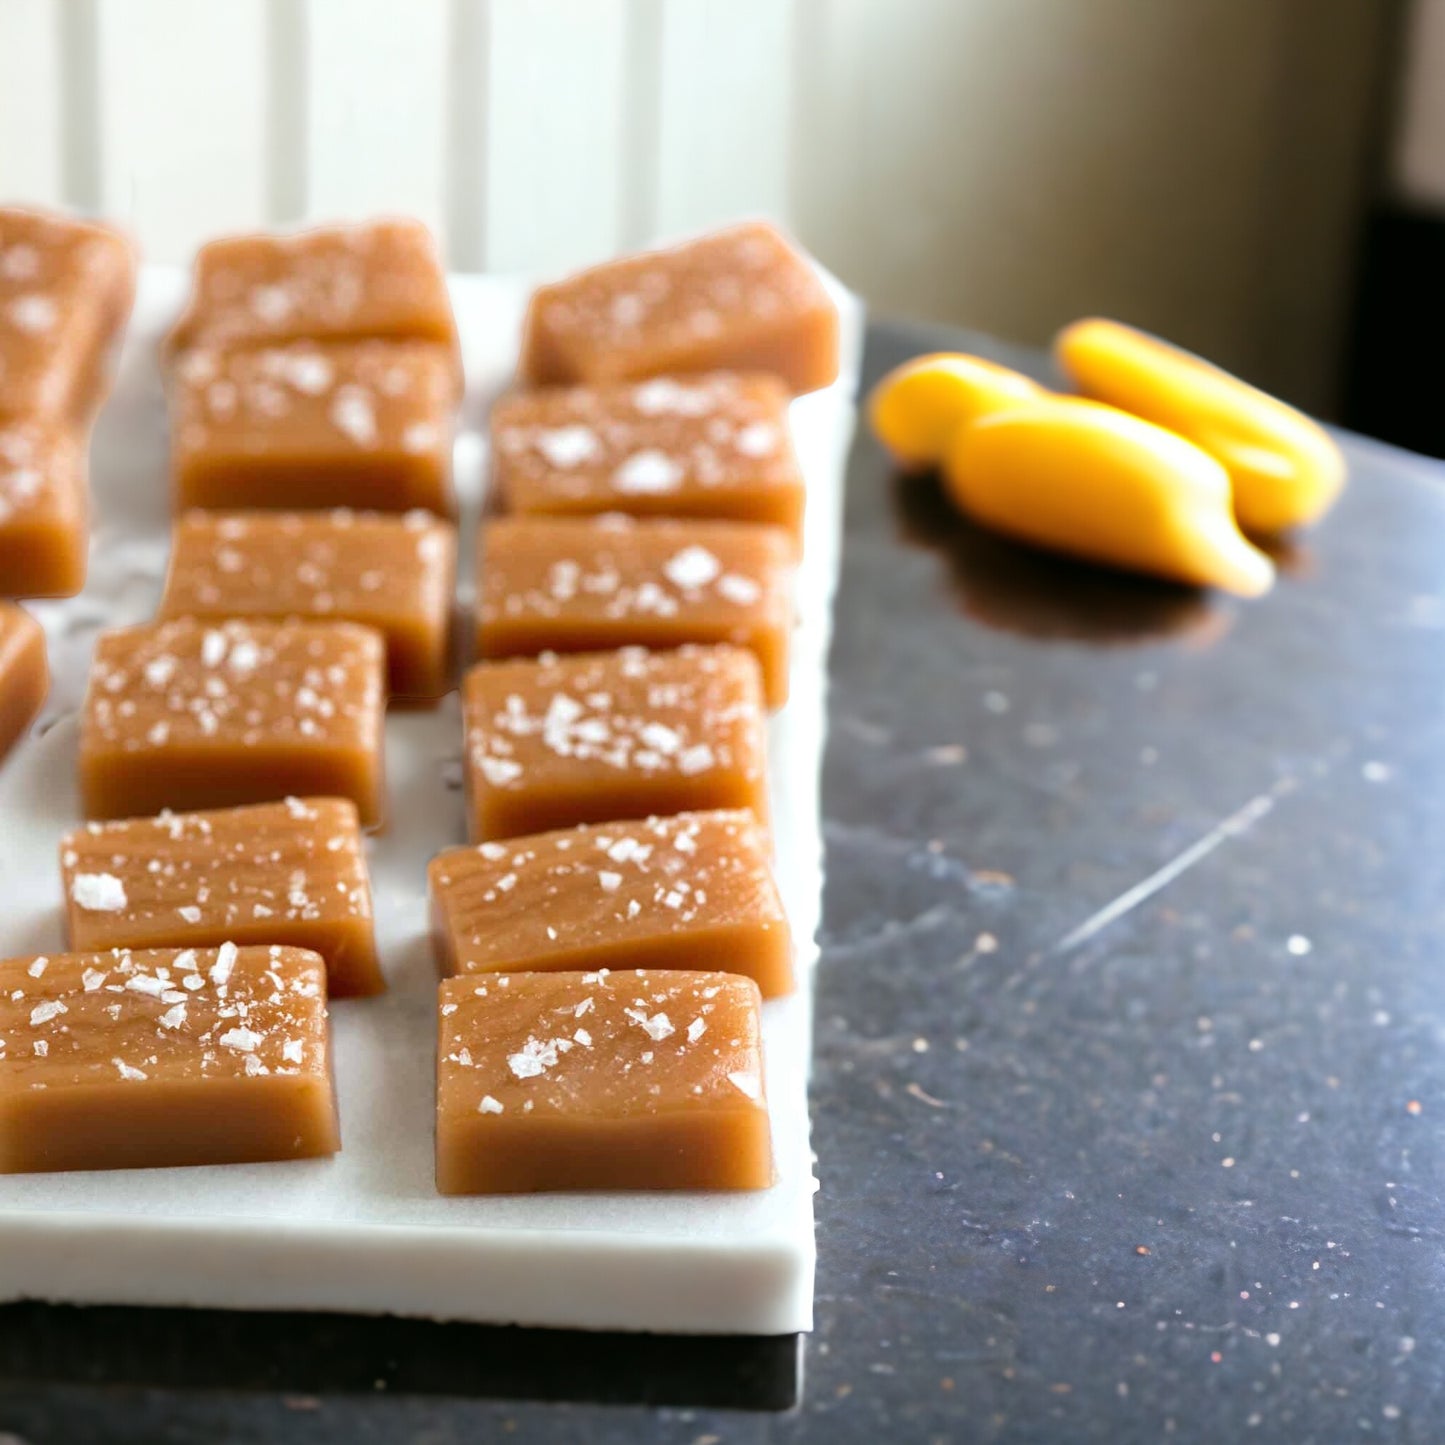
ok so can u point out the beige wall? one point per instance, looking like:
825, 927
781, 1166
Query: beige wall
1193, 166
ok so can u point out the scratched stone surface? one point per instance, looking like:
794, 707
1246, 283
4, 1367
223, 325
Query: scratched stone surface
1130, 1048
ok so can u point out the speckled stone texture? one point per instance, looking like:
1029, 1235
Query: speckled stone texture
1130, 1048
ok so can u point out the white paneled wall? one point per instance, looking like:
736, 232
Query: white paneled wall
1196, 165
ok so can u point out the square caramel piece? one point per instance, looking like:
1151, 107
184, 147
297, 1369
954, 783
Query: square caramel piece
621, 1081
694, 891
24, 673
596, 737
554, 584
715, 445
396, 574
164, 1057
738, 299
364, 424
44, 508
191, 715
380, 278
290, 873
66, 289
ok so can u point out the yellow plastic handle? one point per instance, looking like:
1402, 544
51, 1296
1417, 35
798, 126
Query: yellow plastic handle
915, 409
1077, 477
1284, 468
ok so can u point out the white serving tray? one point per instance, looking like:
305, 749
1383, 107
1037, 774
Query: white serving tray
366, 1231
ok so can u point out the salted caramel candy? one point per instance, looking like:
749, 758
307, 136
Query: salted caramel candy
66, 289
164, 1057
596, 737
44, 508
553, 584
693, 891
715, 445
396, 574
365, 424
192, 715
739, 299
623, 1080
24, 673
290, 873
380, 278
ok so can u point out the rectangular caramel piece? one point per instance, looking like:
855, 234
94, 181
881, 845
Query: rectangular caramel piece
715, 445
66, 289
693, 891
163, 1058
364, 424
380, 278
193, 715
396, 574
597, 737
739, 299
44, 508
290, 873
553, 584
571, 1081
24, 674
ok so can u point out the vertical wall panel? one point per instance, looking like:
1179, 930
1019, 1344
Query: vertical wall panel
555, 126
724, 111
1419, 151
377, 108
182, 110
30, 165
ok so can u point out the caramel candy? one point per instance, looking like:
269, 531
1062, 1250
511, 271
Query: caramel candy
554, 584
66, 289
597, 737
44, 508
290, 873
693, 891
739, 299
378, 278
160, 1058
186, 714
339, 424
395, 574
24, 673
708, 446
550, 1081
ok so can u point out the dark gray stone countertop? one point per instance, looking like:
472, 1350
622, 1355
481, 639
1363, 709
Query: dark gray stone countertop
1130, 1050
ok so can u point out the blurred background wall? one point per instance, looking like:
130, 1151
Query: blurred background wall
1200, 167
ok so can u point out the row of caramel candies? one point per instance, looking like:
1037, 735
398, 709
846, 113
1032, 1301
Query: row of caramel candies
66, 291
633, 616
658, 935
1162, 463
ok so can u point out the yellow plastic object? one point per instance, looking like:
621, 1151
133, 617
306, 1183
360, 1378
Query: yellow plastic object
1086, 479
916, 408
1284, 468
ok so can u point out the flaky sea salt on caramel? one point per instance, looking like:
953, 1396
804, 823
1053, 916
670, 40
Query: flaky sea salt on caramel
596, 737
24, 674
44, 508
553, 584
715, 445
66, 289
291, 872
379, 278
739, 299
623, 1080
364, 424
190, 715
123, 1060
693, 891
396, 574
